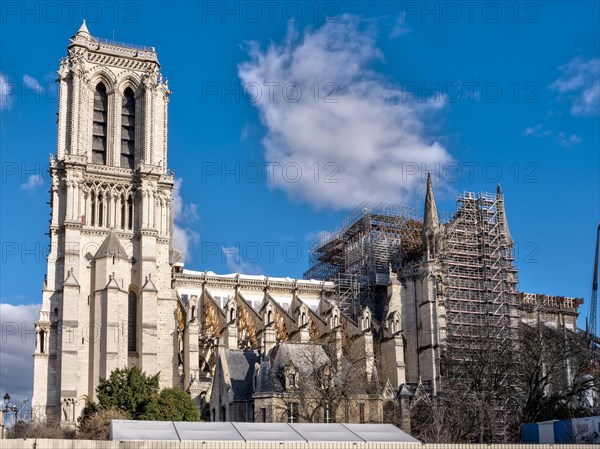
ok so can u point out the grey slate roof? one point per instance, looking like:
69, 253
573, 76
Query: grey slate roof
241, 371
264, 380
304, 356
111, 247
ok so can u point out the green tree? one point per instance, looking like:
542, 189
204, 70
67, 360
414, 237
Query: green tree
171, 404
129, 393
127, 389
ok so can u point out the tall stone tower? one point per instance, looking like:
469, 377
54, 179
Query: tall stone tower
107, 294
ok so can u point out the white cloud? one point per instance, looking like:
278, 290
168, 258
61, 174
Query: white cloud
562, 138
236, 263
184, 214
246, 130
569, 140
580, 83
351, 145
18, 344
400, 27
32, 84
7, 97
33, 181
537, 131
183, 239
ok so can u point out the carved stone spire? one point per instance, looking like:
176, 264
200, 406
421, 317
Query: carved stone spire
431, 223
502, 213
83, 30
430, 220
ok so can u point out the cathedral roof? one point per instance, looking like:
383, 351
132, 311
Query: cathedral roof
264, 380
241, 371
111, 247
305, 356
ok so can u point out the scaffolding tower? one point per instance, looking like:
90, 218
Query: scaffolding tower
358, 255
479, 281
479, 277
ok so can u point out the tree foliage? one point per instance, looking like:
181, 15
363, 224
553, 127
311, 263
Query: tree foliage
127, 389
171, 404
129, 393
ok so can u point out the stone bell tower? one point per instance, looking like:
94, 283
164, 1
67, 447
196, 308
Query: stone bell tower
107, 288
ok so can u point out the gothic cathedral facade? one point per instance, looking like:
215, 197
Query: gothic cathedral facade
116, 293
110, 227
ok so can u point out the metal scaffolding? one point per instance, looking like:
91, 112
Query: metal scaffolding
358, 255
479, 282
478, 306
479, 277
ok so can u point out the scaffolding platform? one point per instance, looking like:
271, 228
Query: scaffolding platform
373, 238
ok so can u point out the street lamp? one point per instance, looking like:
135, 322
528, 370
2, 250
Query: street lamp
11, 409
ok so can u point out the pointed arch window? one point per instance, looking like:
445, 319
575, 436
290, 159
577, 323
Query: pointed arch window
132, 322
42, 342
100, 209
129, 212
128, 129
123, 209
93, 211
100, 120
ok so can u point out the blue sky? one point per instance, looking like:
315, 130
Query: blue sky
285, 116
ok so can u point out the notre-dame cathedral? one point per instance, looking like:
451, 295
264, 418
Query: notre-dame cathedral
116, 293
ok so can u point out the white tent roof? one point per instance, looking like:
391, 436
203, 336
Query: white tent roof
380, 432
127, 430
257, 431
190, 431
325, 432
143, 430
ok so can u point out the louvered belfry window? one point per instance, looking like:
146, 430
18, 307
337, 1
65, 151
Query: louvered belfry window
128, 129
100, 122
132, 322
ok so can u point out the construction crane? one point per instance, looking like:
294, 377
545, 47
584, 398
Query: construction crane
594, 300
